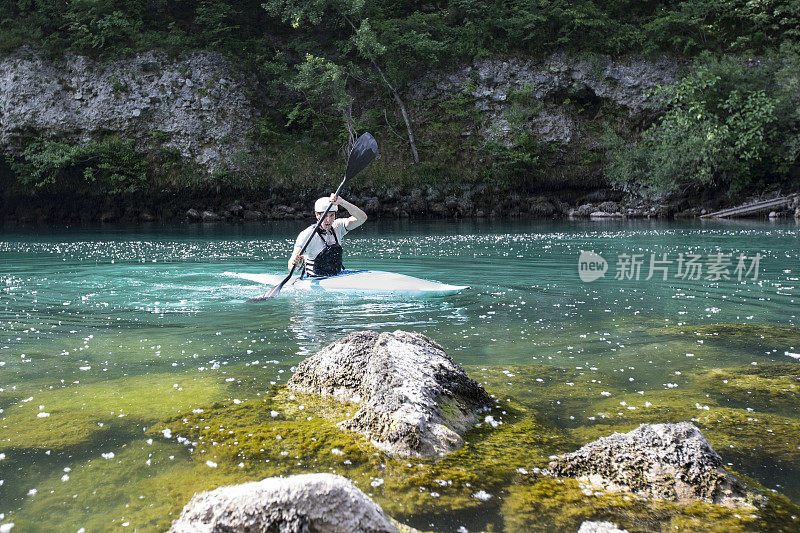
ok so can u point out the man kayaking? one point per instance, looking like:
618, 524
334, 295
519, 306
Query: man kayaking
323, 256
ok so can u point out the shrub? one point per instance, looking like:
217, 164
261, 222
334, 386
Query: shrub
110, 166
723, 128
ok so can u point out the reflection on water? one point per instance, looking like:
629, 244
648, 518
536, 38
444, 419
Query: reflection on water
85, 313
316, 318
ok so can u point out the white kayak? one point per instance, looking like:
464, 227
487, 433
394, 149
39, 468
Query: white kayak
358, 282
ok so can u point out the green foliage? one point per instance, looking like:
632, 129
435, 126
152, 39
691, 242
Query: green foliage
517, 155
723, 25
366, 41
321, 80
118, 85
722, 129
218, 22
411, 32
110, 166
92, 25
310, 13
322, 84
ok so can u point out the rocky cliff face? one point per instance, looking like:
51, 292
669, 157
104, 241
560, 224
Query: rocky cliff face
556, 87
201, 105
204, 105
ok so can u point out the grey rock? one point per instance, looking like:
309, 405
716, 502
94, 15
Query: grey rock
609, 207
540, 207
600, 527
583, 211
604, 214
323, 503
252, 215
416, 204
76, 98
618, 82
433, 195
665, 461
285, 209
451, 203
554, 126
194, 214
210, 216
415, 400
372, 205
235, 209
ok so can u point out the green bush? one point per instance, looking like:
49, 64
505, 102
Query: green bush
726, 126
110, 166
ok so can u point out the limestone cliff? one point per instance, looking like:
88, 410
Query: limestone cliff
204, 105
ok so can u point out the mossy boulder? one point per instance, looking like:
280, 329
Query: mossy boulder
307, 502
742, 436
286, 433
560, 505
414, 399
665, 461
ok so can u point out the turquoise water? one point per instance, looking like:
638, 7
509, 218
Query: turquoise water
103, 332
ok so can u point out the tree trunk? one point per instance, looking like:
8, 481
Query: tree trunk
397, 99
403, 112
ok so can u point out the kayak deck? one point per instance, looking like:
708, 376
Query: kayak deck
359, 282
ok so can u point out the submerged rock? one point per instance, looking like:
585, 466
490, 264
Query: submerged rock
415, 400
666, 461
325, 503
769, 387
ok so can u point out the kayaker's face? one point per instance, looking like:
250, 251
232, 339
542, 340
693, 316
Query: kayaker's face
328, 221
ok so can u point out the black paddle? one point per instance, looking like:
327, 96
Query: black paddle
362, 154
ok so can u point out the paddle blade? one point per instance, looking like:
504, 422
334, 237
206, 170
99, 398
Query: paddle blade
274, 291
364, 151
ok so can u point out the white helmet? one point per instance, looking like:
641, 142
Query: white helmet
322, 204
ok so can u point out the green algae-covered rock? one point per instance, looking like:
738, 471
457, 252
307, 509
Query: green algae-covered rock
414, 399
561, 505
285, 433
742, 436
288, 433
665, 461
779, 338
771, 387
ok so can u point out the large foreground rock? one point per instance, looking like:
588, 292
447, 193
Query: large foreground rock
415, 400
666, 461
322, 503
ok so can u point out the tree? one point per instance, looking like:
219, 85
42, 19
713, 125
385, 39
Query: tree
363, 40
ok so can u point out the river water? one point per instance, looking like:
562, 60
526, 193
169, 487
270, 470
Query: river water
105, 332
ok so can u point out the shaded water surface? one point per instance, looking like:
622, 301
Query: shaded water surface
106, 334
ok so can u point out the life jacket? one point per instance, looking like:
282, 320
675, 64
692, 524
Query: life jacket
329, 261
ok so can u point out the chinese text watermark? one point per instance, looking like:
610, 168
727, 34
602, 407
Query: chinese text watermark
716, 266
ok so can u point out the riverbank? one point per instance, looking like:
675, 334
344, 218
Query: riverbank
424, 202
